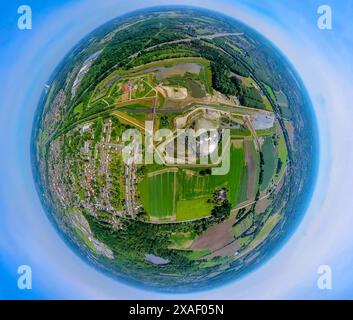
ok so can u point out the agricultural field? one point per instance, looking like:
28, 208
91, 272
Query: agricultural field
253, 165
181, 240
244, 185
283, 104
270, 161
242, 226
158, 195
186, 194
193, 208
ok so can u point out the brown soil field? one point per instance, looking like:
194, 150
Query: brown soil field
226, 251
216, 237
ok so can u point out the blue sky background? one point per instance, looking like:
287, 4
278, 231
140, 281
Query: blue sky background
324, 60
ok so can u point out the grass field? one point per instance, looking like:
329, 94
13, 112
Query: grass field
270, 92
267, 104
212, 263
254, 168
239, 228
265, 132
198, 186
266, 229
193, 209
282, 101
243, 190
282, 148
239, 133
158, 194
270, 159
248, 81
129, 120
183, 195
181, 240
245, 240
140, 117
161, 100
197, 254
85, 239
282, 154
160, 63
78, 109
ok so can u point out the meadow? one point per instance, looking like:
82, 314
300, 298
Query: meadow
158, 194
270, 162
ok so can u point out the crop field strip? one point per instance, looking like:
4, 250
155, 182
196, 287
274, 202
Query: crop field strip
270, 161
158, 195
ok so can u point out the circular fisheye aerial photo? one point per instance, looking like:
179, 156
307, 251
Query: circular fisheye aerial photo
174, 148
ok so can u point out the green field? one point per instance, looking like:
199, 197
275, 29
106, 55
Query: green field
240, 133
267, 104
197, 254
256, 159
270, 92
157, 194
239, 228
265, 132
282, 148
87, 241
243, 190
266, 229
197, 185
282, 154
187, 197
181, 240
282, 101
270, 159
140, 117
78, 109
193, 209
